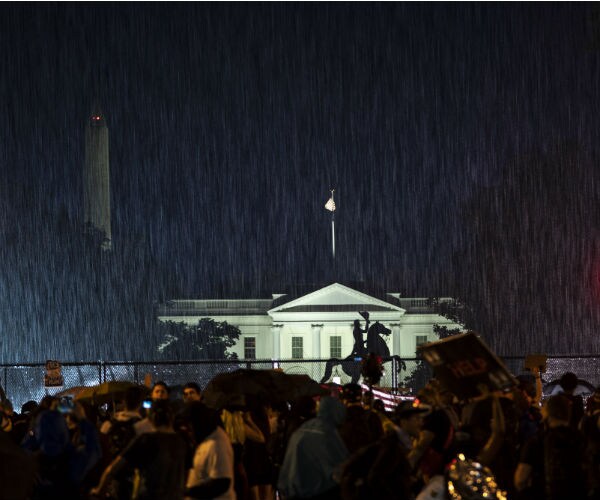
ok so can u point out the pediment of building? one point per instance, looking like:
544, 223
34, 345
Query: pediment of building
336, 298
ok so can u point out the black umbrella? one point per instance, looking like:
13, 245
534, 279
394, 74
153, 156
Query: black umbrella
271, 385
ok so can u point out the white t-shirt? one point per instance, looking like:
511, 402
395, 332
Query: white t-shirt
213, 459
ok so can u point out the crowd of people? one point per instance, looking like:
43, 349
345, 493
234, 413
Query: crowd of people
342, 446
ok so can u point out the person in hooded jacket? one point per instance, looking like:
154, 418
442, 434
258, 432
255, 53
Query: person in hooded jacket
62, 460
313, 456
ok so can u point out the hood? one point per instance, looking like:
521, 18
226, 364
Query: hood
331, 410
52, 433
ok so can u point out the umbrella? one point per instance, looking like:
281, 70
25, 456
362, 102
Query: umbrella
273, 385
584, 388
295, 386
230, 389
71, 392
105, 393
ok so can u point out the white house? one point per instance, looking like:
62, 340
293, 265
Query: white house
317, 325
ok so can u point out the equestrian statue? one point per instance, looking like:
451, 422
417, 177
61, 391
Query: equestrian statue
375, 344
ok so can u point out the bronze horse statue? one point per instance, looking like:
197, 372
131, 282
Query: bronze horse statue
351, 364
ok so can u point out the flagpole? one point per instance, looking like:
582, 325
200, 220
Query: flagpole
330, 205
333, 234
333, 227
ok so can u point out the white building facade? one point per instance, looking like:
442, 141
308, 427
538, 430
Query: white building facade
317, 325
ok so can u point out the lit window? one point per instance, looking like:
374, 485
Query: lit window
420, 340
297, 348
249, 347
335, 346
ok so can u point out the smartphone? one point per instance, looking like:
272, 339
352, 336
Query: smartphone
65, 405
147, 404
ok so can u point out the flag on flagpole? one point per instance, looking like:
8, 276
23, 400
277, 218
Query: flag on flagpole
330, 205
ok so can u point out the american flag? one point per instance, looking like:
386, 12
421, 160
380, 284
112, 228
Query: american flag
390, 401
330, 205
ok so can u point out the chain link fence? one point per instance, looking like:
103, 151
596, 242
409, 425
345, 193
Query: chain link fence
24, 382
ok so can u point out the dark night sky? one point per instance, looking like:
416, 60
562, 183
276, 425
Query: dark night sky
230, 122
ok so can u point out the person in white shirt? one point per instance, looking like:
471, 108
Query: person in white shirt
211, 475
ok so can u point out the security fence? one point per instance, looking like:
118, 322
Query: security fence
24, 382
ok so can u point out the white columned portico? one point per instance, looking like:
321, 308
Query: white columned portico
276, 333
396, 345
316, 341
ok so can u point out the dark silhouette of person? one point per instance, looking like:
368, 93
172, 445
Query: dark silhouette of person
359, 348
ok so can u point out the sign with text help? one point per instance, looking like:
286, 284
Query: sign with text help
463, 363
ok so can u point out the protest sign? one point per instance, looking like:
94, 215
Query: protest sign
534, 361
53, 376
462, 363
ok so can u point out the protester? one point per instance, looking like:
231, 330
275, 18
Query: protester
434, 447
17, 472
302, 410
121, 423
361, 427
423, 440
568, 382
63, 457
590, 428
238, 428
314, 456
22, 422
6, 409
527, 406
191, 392
256, 458
160, 392
409, 423
212, 472
159, 456
381, 469
478, 424
117, 433
551, 464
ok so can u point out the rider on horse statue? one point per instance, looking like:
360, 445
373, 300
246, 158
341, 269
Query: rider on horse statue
359, 348
375, 344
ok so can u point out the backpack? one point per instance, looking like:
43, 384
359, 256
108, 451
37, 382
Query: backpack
121, 433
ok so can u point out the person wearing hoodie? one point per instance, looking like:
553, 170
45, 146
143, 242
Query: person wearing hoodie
62, 459
313, 456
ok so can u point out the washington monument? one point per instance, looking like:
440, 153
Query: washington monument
96, 178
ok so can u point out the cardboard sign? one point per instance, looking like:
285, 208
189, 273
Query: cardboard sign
53, 377
463, 362
536, 361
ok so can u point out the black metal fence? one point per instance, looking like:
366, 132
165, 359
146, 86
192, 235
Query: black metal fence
24, 382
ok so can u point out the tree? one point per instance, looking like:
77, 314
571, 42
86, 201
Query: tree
455, 311
422, 373
209, 339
